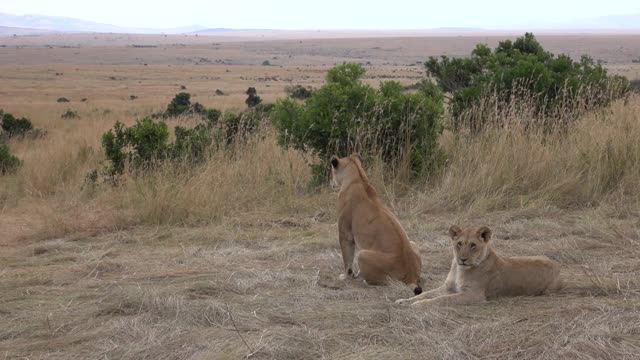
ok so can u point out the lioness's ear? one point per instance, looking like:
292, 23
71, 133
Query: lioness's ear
484, 233
334, 162
454, 231
357, 156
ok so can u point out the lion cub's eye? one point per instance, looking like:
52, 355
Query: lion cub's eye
459, 244
473, 246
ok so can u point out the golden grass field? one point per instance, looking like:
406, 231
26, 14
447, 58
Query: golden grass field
238, 259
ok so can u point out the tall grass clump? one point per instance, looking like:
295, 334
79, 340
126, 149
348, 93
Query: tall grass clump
253, 177
596, 158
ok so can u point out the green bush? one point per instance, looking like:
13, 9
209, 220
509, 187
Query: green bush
237, 127
8, 163
298, 92
114, 144
192, 143
147, 142
518, 70
346, 115
179, 105
13, 126
70, 114
252, 97
140, 144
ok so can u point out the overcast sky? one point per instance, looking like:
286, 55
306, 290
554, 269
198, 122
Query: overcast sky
324, 14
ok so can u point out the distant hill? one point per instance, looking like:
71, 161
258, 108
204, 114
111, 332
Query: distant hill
66, 24
8, 31
214, 30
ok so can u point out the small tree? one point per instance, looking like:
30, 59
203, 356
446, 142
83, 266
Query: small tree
139, 144
8, 163
149, 141
114, 143
252, 97
13, 126
522, 70
348, 115
70, 114
180, 104
298, 92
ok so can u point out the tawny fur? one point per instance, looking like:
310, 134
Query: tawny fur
365, 223
478, 273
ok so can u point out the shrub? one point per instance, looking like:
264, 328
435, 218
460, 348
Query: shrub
219, 92
237, 127
70, 114
252, 97
298, 92
13, 126
148, 140
140, 144
63, 100
179, 105
114, 143
191, 144
8, 163
522, 70
266, 63
347, 115
132, 97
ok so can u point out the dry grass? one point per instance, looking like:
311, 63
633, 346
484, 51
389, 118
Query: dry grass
598, 160
267, 289
237, 258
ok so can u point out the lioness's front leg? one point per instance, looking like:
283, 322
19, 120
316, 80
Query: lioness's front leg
442, 290
463, 298
348, 246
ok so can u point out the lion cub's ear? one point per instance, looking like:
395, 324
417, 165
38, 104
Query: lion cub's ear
454, 231
484, 233
334, 161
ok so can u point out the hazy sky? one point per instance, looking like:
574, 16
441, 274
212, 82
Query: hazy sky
324, 14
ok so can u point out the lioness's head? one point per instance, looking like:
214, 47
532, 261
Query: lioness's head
344, 169
470, 246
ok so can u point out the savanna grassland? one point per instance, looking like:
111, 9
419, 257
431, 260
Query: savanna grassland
238, 257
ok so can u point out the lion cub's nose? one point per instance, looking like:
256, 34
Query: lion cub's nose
463, 260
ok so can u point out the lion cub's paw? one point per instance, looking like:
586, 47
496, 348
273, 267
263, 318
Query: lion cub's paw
342, 277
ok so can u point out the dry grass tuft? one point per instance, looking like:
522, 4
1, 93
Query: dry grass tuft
597, 161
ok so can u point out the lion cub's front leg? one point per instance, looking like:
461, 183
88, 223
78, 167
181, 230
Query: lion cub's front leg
462, 298
442, 290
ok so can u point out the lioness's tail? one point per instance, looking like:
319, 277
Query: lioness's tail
417, 290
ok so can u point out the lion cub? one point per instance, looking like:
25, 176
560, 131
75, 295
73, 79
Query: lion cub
478, 273
366, 223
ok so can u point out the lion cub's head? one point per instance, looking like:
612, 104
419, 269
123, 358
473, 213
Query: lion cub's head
470, 246
345, 169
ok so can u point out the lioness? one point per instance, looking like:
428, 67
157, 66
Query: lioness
364, 221
478, 273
